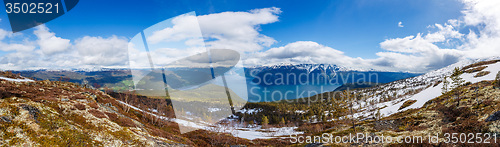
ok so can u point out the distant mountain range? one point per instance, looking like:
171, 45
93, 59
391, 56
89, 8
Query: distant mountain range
320, 74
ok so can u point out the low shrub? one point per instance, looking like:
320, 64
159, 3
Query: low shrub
97, 113
482, 73
94, 105
480, 64
407, 103
473, 70
79, 106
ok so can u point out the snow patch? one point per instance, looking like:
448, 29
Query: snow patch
235, 130
16, 80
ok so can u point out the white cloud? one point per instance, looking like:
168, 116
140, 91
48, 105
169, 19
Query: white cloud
303, 52
421, 53
48, 42
23, 46
102, 51
16, 47
238, 30
400, 24
485, 15
230, 30
3, 34
52, 52
184, 27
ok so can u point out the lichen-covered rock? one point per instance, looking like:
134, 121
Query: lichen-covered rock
47, 113
493, 117
497, 80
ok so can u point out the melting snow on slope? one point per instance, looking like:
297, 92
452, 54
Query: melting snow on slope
250, 111
16, 80
237, 131
433, 92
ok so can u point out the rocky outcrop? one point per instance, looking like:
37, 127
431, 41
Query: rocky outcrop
48, 113
493, 117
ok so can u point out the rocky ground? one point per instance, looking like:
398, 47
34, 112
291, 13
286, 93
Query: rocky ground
45, 113
477, 112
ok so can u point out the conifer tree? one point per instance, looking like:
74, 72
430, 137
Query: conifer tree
445, 85
282, 122
265, 121
457, 81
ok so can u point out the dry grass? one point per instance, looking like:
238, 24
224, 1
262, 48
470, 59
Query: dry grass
94, 105
97, 113
480, 64
473, 70
482, 73
407, 103
79, 106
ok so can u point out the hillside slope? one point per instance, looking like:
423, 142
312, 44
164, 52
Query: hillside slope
53, 113
58, 113
478, 112
391, 96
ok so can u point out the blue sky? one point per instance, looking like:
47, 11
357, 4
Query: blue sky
355, 27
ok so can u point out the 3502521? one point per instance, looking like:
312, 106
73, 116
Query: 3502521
470, 138
32, 8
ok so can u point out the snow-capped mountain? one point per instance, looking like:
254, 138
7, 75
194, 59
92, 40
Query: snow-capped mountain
308, 67
324, 72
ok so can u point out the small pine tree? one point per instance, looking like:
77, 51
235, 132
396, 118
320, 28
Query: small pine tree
456, 72
265, 121
282, 122
457, 81
446, 83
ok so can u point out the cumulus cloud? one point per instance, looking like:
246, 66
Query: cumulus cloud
51, 52
48, 42
102, 51
22, 46
230, 30
422, 53
238, 30
184, 27
303, 52
419, 53
16, 47
400, 24
485, 15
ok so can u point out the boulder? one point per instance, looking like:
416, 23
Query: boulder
33, 111
493, 117
6, 119
497, 80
